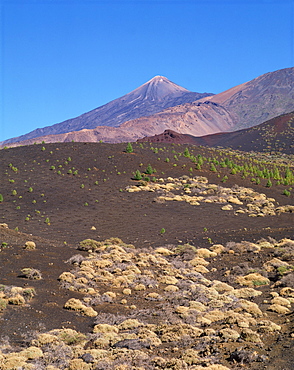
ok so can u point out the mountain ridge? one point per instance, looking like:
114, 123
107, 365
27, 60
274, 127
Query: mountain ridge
150, 98
256, 101
160, 104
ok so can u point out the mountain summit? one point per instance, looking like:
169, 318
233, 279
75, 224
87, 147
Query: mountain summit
159, 88
152, 97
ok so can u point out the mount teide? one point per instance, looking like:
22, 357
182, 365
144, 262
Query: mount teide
152, 97
161, 105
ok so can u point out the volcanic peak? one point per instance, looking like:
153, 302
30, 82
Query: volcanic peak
159, 88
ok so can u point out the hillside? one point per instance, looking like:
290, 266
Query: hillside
276, 135
259, 100
158, 256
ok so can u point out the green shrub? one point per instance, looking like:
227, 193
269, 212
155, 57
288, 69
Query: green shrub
198, 166
138, 175
286, 192
149, 170
282, 270
259, 282
269, 184
186, 153
212, 168
129, 148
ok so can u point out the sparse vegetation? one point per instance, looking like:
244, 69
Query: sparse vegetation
138, 175
129, 148
31, 273
190, 300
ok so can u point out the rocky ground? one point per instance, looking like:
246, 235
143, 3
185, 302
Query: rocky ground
164, 257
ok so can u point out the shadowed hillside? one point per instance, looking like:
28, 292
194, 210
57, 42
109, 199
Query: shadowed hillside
276, 135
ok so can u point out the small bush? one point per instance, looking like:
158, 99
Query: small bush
129, 148
186, 153
89, 244
70, 337
269, 184
137, 175
31, 273
149, 170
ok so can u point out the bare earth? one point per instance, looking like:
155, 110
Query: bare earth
168, 256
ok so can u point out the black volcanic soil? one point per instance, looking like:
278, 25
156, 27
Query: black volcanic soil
58, 210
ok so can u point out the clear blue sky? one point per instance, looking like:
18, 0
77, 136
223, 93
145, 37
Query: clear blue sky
62, 58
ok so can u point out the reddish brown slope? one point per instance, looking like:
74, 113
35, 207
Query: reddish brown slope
276, 134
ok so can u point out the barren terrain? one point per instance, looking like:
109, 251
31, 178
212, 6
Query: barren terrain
163, 257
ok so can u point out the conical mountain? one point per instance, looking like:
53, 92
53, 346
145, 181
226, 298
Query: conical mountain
150, 98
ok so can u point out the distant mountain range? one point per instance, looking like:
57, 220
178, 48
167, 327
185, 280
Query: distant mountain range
160, 105
276, 135
150, 98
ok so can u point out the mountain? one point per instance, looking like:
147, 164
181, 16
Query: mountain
161, 105
242, 106
276, 135
152, 97
192, 118
259, 100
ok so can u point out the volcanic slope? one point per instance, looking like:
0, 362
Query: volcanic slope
259, 100
242, 106
152, 97
276, 135
208, 279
